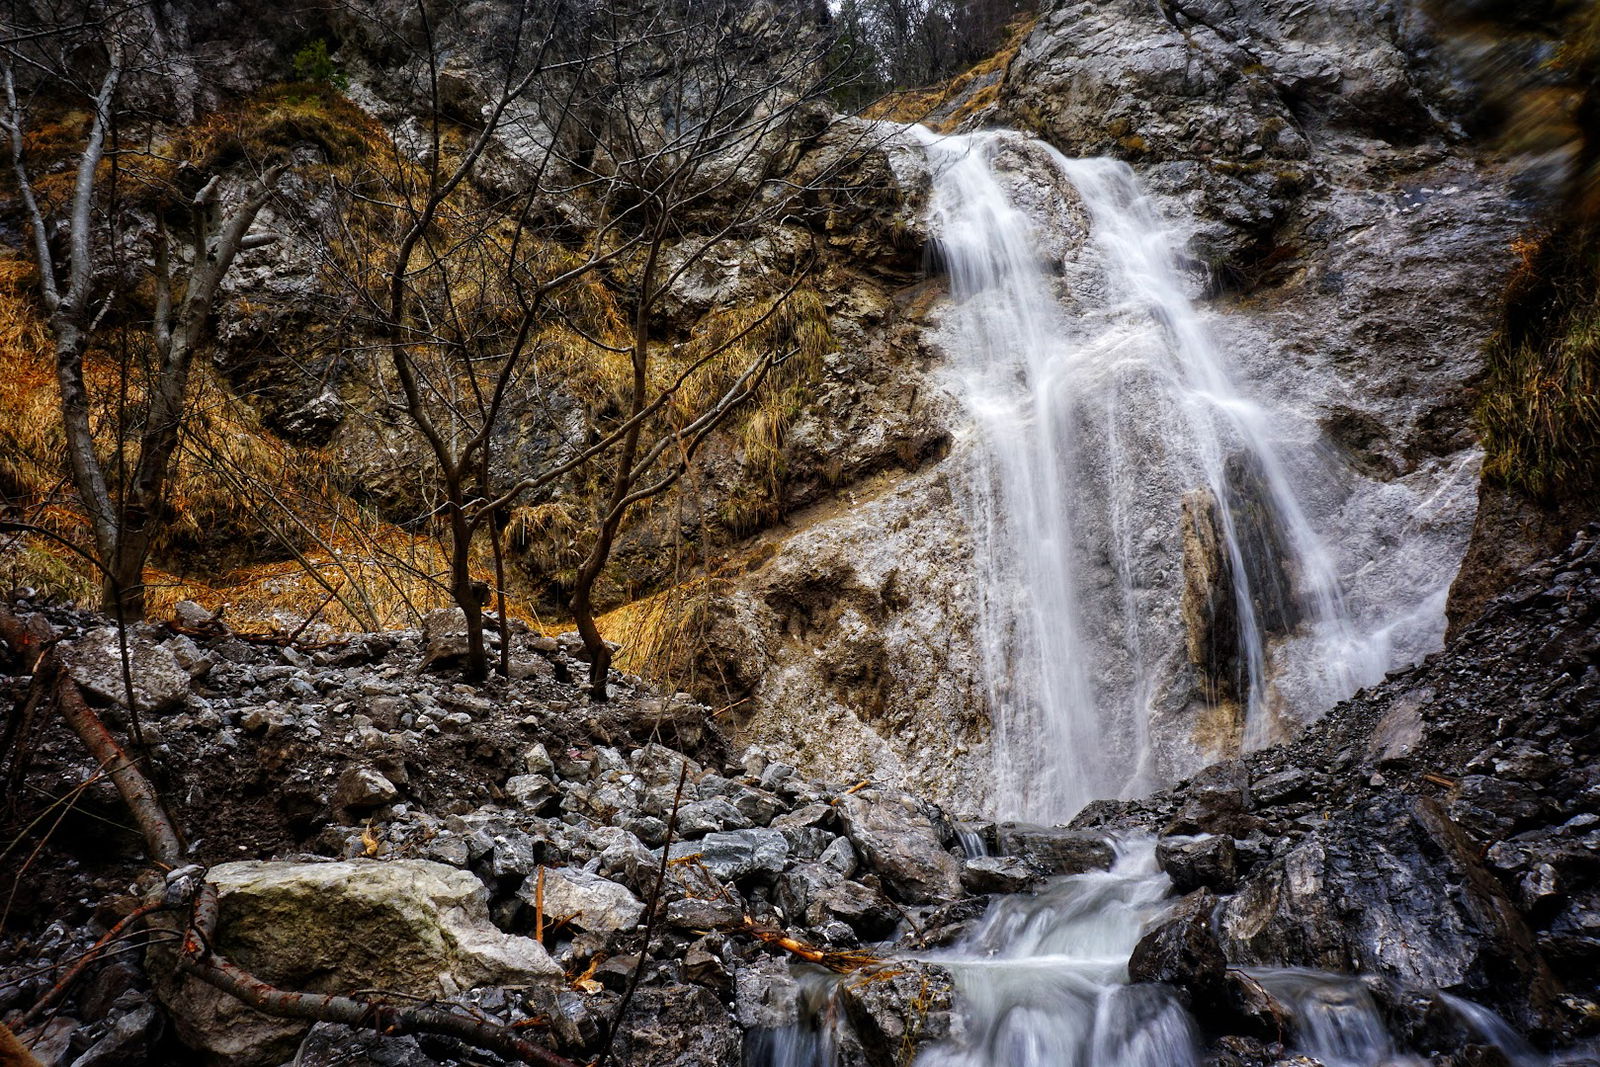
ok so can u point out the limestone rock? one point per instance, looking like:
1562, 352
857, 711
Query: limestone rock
409, 925
95, 663
530, 790
362, 789
593, 902
733, 854
893, 837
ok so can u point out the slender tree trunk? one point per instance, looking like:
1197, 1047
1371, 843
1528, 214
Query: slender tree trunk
468, 594
593, 643
122, 584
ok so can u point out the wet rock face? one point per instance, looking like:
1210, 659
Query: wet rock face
1053, 849
1436, 833
1245, 91
1183, 951
1401, 893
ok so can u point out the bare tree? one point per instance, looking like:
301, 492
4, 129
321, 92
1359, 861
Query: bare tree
667, 132
78, 286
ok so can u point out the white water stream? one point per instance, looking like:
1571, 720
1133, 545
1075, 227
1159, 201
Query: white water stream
1101, 409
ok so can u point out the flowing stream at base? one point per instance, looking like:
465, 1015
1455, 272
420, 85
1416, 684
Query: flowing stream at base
1121, 490
1042, 981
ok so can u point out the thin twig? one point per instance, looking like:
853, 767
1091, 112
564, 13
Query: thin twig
649, 923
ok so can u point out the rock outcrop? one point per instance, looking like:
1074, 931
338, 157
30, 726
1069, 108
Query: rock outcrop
1348, 239
412, 926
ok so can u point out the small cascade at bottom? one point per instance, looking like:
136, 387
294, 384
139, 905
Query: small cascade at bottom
1042, 981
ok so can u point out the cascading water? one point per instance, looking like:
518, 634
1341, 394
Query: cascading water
1109, 444
1043, 979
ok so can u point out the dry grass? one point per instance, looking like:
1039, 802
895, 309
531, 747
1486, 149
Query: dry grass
1540, 403
278, 119
264, 525
915, 105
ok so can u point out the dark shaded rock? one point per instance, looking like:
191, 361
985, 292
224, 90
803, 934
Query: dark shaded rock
860, 907
127, 1041
1210, 862
894, 837
678, 1026
1216, 801
1183, 952
898, 1007
999, 874
1055, 850
1395, 890
1246, 1007
331, 1045
1492, 808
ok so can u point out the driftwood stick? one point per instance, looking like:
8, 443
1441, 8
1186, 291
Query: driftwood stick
35, 641
54, 993
839, 962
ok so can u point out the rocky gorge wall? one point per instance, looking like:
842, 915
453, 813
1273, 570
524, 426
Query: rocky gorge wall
1349, 239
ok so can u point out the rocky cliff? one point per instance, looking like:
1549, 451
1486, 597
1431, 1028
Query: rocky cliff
1349, 238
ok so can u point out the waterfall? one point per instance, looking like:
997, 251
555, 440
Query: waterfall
1148, 565
1139, 542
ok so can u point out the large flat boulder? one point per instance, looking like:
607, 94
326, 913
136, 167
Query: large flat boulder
95, 663
411, 926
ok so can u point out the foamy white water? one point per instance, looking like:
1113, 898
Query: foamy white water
1043, 979
1101, 409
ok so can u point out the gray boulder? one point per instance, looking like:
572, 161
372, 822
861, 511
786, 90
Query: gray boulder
735, 854
412, 926
1056, 850
593, 903
894, 837
999, 874
1211, 862
94, 661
